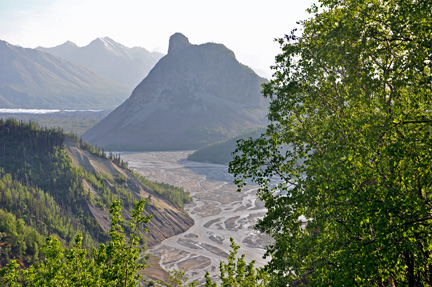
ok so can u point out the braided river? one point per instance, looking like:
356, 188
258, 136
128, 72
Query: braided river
218, 210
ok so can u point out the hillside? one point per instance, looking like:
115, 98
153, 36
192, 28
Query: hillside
34, 79
194, 96
52, 184
110, 59
221, 152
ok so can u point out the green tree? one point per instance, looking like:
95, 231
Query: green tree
9, 274
178, 278
118, 260
237, 273
345, 165
53, 270
113, 264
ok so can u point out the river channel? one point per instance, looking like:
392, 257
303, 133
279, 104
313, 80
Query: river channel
218, 210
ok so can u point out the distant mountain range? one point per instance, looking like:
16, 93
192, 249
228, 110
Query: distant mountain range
194, 96
110, 59
33, 79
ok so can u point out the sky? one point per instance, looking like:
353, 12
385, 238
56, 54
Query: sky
247, 27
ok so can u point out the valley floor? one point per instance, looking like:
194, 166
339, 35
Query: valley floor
218, 210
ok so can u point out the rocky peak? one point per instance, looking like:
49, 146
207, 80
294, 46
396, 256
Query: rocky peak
69, 43
177, 42
105, 44
194, 96
97, 42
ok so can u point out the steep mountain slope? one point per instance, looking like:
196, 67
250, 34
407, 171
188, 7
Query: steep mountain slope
52, 184
195, 95
109, 58
34, 79
168, 219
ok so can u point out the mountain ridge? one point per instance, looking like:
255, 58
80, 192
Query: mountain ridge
34, 79
110, 59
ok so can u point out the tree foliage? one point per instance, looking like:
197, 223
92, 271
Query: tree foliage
178, 278
176, 195
113, 264
344, 166
237, 273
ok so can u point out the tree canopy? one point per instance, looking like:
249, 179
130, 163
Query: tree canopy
345, 165
115, 264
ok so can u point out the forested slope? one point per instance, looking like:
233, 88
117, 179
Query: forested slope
221, 152
54, 184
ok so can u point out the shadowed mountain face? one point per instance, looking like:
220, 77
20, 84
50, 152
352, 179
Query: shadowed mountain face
33, 79
110, 59
194, 96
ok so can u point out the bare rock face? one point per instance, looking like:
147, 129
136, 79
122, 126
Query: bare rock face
194, 96
177, 42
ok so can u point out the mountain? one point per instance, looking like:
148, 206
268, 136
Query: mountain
109, 58
33, 79
54, 184
194, 96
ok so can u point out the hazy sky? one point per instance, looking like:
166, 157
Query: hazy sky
247, 27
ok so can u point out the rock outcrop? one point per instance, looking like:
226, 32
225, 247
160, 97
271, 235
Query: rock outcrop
177, 42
